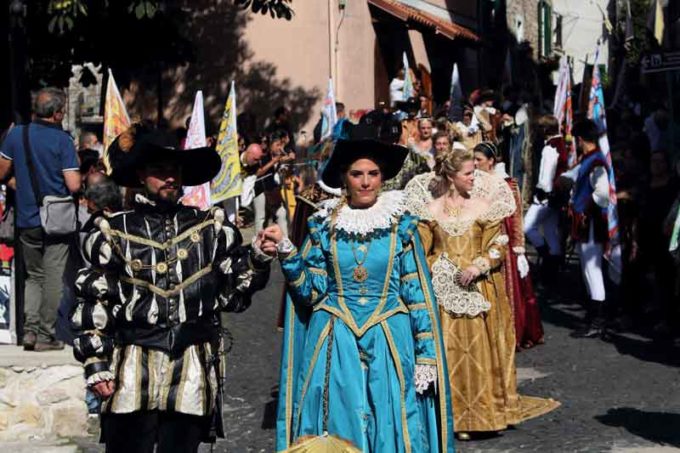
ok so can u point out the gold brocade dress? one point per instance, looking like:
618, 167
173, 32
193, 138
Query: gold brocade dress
477, 326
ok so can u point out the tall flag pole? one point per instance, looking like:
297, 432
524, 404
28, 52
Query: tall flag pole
197, 196
329, 113
116, 118
408, 82
456, 96
563, 109
597, 113
227, 184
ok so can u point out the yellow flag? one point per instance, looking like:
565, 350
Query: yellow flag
658, 22
116, 118
227, 183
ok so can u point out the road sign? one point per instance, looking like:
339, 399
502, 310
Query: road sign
661, 62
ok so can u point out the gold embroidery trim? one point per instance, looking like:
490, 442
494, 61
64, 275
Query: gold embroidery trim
414, 307
312, 364
402, 384
423, 335
298, 281
426, 361
166, 245
408, 277
442, 379
317, 271
172, 292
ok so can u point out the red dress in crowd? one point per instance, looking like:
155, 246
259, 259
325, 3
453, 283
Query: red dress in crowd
525, 310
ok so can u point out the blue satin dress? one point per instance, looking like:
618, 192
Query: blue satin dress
379, 334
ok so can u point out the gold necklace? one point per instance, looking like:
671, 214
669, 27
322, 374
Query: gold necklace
452, 211
360, 273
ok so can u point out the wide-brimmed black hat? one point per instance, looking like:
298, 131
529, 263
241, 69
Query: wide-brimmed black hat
141, 145
373, 138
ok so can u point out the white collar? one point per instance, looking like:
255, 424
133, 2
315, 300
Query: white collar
382, 215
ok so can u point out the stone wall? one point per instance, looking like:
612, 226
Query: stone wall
42, 403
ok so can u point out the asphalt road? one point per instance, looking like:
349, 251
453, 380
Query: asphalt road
622, 395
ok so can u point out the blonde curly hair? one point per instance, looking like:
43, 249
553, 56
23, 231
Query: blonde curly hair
447, 164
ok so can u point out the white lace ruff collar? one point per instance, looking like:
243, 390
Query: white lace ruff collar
382, 215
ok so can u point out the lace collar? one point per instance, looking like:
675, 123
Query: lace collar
487, 186
382, 215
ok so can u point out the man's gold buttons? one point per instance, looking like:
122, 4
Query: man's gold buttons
161, 268
182, 254
195, 237
136, 265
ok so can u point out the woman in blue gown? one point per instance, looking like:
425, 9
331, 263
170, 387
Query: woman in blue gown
360, 283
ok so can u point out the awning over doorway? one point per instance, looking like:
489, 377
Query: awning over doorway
408, 13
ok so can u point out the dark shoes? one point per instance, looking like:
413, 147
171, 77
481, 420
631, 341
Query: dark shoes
54, 345
29, 341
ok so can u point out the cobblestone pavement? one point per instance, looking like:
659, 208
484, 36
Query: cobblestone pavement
623, 395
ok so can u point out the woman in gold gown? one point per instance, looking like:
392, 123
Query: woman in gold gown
462, 212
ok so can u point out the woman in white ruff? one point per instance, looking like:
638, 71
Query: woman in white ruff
462, 211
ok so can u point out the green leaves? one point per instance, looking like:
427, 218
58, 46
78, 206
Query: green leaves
64, 14
143, 8
277, 9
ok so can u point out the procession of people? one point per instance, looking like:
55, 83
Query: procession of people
420, 243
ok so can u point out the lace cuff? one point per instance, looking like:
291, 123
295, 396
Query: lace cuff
424, 376
101, 376
519, 250
482, 264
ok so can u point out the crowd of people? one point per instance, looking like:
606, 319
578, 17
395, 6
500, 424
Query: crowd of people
403, 235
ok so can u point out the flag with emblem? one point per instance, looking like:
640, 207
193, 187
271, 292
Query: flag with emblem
227, 184
197, 196
116, 118
597, 113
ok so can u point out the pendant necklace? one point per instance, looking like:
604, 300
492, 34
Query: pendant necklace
452, 211
360, 273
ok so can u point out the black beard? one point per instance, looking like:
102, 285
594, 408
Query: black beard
164, 203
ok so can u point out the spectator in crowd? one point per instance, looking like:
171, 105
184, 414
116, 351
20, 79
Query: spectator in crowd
542, 220
423, 145
89, 140
442, 142
268, 203
662, 190
281, 122
397, 88
55, 166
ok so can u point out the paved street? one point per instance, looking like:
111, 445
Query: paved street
620, 396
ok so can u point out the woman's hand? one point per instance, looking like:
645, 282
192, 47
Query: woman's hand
469, 275
104, 389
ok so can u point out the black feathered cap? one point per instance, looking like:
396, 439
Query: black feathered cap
141, 145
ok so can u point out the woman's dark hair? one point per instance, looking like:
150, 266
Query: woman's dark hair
488, 149
278, 134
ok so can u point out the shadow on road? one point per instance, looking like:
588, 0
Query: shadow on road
648, 350
659, 427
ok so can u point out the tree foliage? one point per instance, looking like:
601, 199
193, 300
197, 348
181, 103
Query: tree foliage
279, 9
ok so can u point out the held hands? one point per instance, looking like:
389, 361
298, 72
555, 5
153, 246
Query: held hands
469, 275
104, 389
268, 239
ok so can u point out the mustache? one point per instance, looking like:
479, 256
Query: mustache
170, 187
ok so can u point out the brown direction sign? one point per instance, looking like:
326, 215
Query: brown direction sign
661, 62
